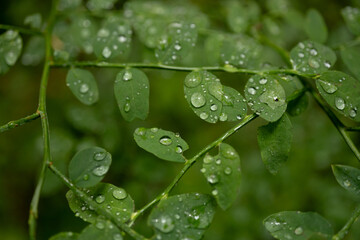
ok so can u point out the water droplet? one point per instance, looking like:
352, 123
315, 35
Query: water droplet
313, 52
165, 141
10, 58
208, 159
339, 103
100, 199
127, 107
272, 226
347, 183
86, 177
301, 55
164, 224
100, 225
204, 115
299, 231
177, 216
263, 81
177, 47
212, 179
218, 162
252, 91
103, 33
106, 52
313, 63
192, 81
154, 130
213, 107
84, 88
127, 76
119, 193
122, 39
198, 100
178, 149
352, 113
216, 89
99, 156
327, 64
328, 87
215, 192
140, 131
100, 171
203, 170
223, 117
228, 152
227, 171
117, 236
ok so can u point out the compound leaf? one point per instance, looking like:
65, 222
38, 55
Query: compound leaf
184, 216
351, 16
223, 173
131, 90
10, 49
348, 177
102, 229
108, 197
341, 92
311, 57
351, 56
89, 166
315, 26
65, 236
83, 85
212, 101
275, 142
298, 226
266, 97
163, 144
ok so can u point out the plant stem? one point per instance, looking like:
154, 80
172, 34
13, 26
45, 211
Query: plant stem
353, 129
191, 162
21, 29
17, 123
345, 229
33, 215
89, 201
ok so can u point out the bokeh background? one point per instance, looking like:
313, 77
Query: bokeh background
305, 183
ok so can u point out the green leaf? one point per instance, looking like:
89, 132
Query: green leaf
102, 229
348, 177
97, 5
113, 38
176, 43
10, 49
213, 46
184, 216
341, 92
351, 56
351, 16
212, 101
298, 226
312, 58
81, 32
163, 144
298, 105
68, 4
223, 173
315, 26
240, 15
275, 143
65, 236
266, 97
33, 20
89, 166
131, 91
83, 85
108, 197
34, 51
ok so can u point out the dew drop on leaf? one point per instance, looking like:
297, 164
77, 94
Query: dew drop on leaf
127, 76
214, 192
192, 81
227, 171
165, 141
213, 107
223, 117
208, 159
339, 103
252, 91
84, 88
198, 100
352, 113
213, 179
204, 115
99, 156
100, 225
347, 183
299, 231
328, 87
117, 236
178, 149
100, 199
106, 52
119, 194
164, 224
100, 171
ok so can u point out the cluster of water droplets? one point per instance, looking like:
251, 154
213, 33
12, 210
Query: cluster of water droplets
277, 227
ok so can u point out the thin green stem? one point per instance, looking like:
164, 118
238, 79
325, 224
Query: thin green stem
345, 229
353, 129
89, 201
33, 215
191, 162
21, 29
17, 123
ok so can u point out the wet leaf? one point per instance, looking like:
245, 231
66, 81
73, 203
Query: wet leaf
184, 216
351, 56
275, 143
212, 101
341, 92
83, 85
108, 197
351, 16
131, 91
213, 46
223, 173
311, 58
65, 236
298, 226
266, 97
163, 144
89, 166
240, 15
34, 51
10, 49
33, 20
81, 31
102, 229
348, 177
315, 26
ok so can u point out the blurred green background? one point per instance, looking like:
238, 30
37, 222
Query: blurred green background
305, 183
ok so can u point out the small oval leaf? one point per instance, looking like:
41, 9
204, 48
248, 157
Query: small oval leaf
348, 177
132, 92
11, 45
108, 197
223, 173
311, 57
298, 226
83, 85
89, 166
184, 216
163, 144
341, 92
315, 26
351, 16
266, 97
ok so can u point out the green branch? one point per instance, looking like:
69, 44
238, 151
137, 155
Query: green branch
89, 201
21, 29
17, 123
353, 129
345, 229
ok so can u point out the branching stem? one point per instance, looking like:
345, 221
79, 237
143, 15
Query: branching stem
21, 29
17, 123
